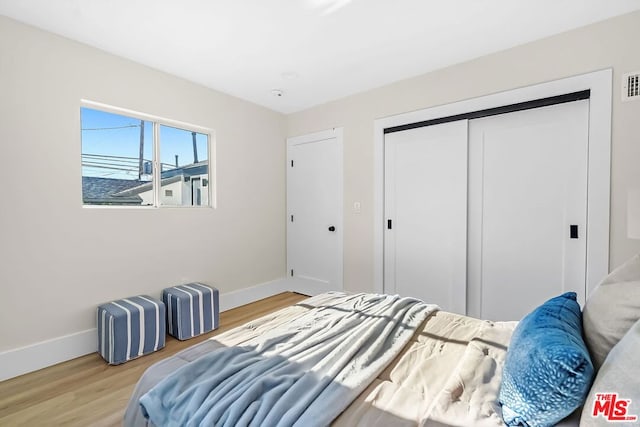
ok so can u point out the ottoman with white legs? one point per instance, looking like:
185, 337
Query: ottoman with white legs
192, 310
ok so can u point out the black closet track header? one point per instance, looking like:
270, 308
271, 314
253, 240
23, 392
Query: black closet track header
520, 106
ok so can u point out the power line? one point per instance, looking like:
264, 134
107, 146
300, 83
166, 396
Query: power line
111, 157
111, 128
92, 165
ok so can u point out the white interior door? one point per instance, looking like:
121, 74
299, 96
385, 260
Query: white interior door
426, 213
527, 188
314, 211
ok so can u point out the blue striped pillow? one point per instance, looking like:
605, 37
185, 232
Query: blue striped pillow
548, 371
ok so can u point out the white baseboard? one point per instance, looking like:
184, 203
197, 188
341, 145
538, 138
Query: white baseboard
244, 296
309, 287
40, 355
47, 353
254, 293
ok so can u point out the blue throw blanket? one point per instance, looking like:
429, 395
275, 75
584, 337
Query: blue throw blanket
304, 373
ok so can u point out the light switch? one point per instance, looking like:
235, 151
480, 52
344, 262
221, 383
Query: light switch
356, 208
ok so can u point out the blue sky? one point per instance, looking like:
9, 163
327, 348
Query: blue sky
108, 134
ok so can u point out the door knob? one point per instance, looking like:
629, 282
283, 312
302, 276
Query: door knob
332, 228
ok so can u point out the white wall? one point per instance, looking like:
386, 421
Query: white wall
611, 43
58, 260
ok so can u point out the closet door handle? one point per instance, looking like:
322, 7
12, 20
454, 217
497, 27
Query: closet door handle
331, 228
573, 231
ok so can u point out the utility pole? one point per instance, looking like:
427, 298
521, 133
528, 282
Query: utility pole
141, 154
195, 148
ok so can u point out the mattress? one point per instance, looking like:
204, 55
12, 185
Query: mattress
447, 375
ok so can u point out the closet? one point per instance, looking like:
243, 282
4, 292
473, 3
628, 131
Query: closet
486, 213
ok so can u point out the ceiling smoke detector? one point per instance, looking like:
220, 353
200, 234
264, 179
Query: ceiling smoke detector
277, 93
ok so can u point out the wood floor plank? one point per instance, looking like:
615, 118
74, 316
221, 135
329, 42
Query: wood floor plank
88, 392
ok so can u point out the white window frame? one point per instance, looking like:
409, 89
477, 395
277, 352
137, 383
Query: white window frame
156, 122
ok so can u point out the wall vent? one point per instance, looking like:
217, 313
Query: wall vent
631, 86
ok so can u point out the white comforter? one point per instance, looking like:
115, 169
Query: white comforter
448, 375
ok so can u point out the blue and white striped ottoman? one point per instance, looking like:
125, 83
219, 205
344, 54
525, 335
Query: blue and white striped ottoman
192, 310
130, 328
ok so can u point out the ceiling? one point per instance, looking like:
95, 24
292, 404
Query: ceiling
314, 51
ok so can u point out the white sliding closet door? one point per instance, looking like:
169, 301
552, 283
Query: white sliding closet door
527, 209
426, 213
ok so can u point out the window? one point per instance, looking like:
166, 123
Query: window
183, 162
136, 160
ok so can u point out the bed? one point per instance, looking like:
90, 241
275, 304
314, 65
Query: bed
389, 361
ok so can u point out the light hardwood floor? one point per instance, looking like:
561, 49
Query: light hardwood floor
89, 392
